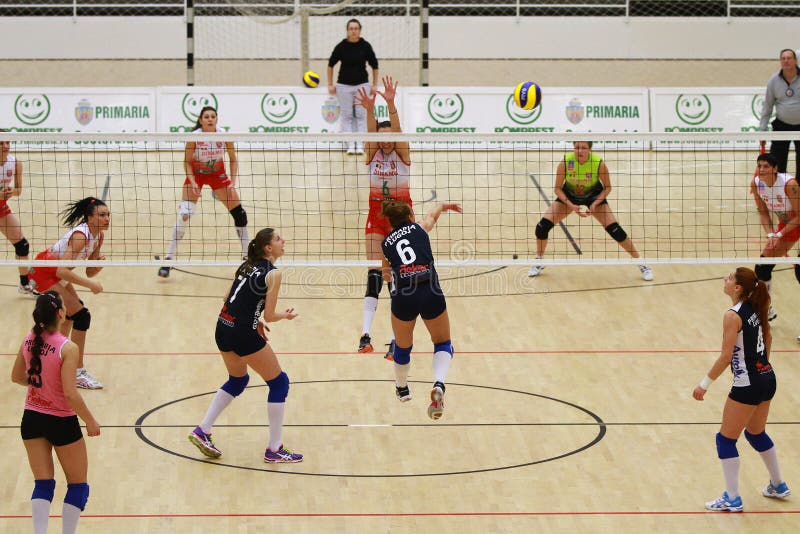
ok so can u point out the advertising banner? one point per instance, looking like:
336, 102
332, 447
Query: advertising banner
706, 110
78, 109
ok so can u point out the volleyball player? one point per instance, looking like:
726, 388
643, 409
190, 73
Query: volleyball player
204, 164
582, 179
779, 194
389, 166
408, 264
89, 219
46, 363
11, 186
746, 343
242, 342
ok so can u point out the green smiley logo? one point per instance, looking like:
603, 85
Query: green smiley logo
445, 108
693, 109
519, 115
32, 109
193, 102
279, 108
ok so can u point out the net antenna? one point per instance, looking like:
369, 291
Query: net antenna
260, 12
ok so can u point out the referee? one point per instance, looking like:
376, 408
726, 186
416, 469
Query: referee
783, 93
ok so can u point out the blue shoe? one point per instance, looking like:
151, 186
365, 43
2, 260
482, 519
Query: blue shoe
781, 491
725, 504
282, 455
202, 441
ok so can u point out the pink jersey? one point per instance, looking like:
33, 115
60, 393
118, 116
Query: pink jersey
389, 177
49, 398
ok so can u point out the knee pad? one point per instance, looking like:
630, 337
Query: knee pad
726, 447
239, 216
374, 283
764, 271
235, 384
402, 356
81, 319
616, 232
443, 347
186, 208
797, 271
22, 247
278, 388
44, 489
77, 495
760, 442
543, 228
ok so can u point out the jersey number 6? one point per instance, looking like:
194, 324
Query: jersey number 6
406, 253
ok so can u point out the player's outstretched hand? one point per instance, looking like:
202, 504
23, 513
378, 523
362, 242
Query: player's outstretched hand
289, 314
452, 206
365, 99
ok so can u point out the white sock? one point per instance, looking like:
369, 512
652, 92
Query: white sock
275, 413
244, 237
401, 374
370, 307
730, 468
441, 364
770, 457
220, 401
178, 231
40, 511
69, 518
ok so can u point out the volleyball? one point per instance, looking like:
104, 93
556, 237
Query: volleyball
528, 95
310, 79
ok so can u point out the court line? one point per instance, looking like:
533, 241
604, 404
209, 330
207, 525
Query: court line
421, 514
561, 224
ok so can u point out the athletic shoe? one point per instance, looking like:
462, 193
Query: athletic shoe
772, 314
647, 273
351, 152
536, 270
781, 491
86, 381
282, 456
390, 351
365, 344
359, 151
202, 441
436, 407
27, 289
403, 393
163, 272
725, 504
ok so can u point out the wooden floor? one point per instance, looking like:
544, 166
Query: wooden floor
568, 409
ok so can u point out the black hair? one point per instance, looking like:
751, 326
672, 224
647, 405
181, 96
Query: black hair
80, 210
353, 20
794, 54
769, 158
45, 317
383, 124
397, 211
200, 116
255, 250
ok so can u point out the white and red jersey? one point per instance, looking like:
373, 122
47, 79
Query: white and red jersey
208, 158
50, 397
61, 246
9, 172
775, 197
389, 177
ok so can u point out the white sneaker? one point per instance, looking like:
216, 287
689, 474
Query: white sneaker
647, 272
772, 314
87, 381
536, 270
27, 289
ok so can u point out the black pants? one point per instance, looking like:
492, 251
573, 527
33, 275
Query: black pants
780, 149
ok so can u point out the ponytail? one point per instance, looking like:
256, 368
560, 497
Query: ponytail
80, 210
754, 291
255, 250
45, 317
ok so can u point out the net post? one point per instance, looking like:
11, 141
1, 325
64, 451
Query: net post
189, 42
423, 43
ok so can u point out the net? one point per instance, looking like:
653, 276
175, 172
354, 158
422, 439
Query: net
249, 41
682, 198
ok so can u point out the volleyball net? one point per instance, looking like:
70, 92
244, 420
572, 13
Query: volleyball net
682, 198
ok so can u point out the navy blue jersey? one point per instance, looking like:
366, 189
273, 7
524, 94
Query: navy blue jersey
408, 250
750, 359
246, 298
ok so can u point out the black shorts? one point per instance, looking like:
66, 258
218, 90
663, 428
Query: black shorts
759, 391
56, 429
582, 201
242, 341
421, 298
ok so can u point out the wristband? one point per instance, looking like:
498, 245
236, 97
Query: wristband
706, 382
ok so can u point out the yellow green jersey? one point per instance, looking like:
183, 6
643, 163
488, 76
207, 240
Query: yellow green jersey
582, 180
